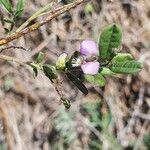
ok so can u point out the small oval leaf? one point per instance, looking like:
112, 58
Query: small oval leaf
49, 71
110, 39
126, 67
39, 57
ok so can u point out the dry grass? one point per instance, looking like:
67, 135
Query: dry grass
28, 107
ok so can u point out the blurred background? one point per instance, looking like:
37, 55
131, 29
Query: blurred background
116, 116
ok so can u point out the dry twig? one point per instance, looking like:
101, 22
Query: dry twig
52, 14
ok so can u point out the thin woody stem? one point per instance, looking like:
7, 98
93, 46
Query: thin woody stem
53, 14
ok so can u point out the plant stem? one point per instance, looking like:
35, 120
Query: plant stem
53, 14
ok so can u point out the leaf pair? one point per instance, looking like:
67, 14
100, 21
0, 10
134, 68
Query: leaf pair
110, 39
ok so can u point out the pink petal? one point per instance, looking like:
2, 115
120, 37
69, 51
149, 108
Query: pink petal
88, 48
91, 68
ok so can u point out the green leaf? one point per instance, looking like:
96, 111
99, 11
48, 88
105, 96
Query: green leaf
106, 71
7, 4
110, 39
19, 8
39, 57
97, 80
77, 82
122, 57
50, 71
126, 67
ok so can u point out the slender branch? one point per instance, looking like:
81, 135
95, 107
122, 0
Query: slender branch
53, 14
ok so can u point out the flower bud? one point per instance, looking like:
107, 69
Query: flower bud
61, 61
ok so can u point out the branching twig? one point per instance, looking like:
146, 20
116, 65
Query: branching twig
53, 14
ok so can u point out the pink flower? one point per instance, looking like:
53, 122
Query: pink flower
90, 68
88, 48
